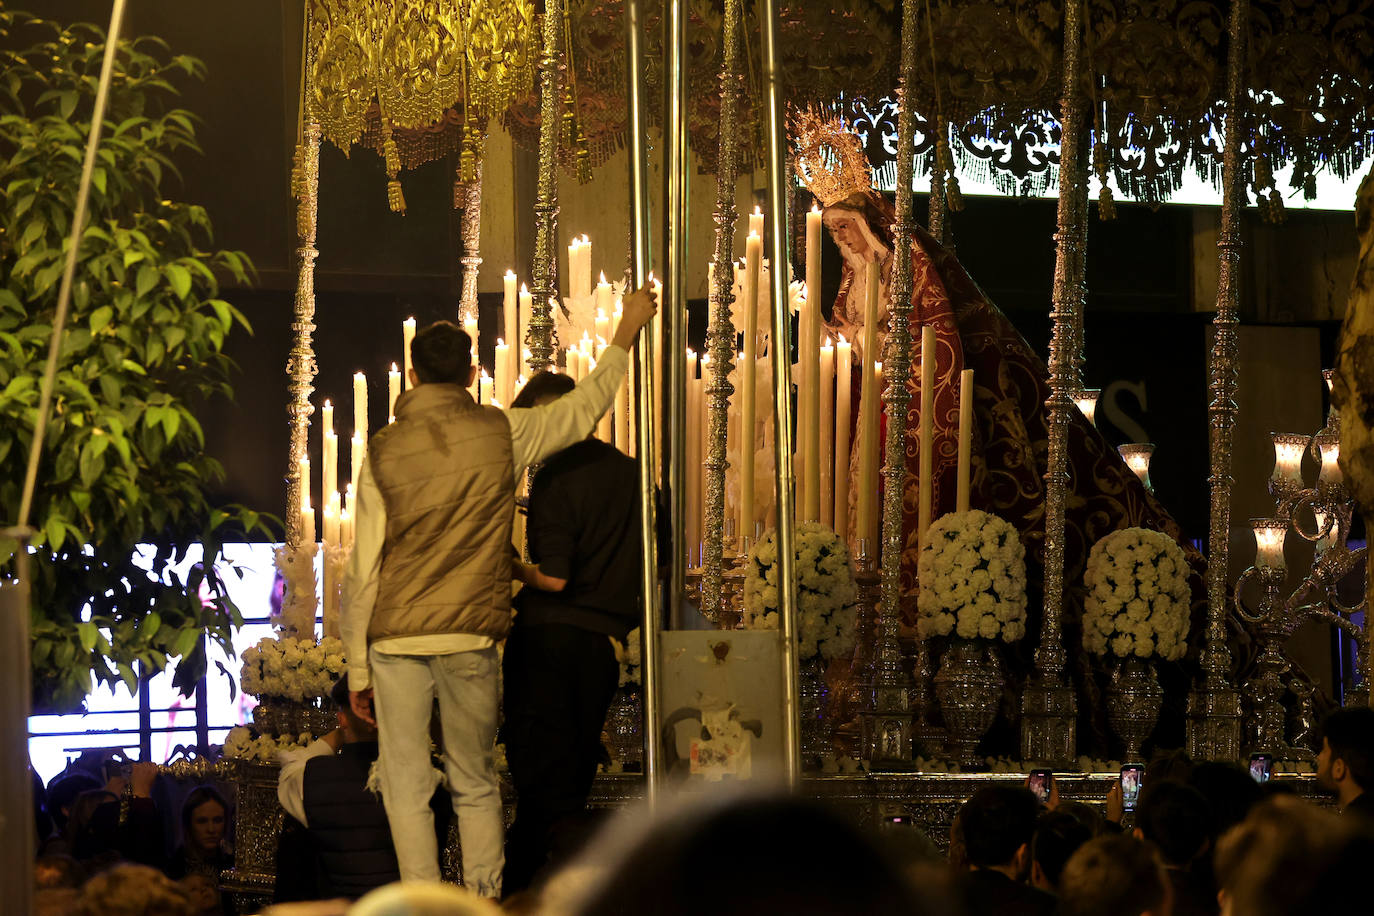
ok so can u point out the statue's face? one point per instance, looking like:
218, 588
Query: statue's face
849, 228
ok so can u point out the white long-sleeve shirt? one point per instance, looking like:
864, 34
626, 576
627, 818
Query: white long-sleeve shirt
291, 779
536, 433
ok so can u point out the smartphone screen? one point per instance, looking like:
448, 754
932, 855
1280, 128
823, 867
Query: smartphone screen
1039, 782
1261, 767
1132, 774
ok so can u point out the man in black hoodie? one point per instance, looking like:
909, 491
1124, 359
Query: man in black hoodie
581, 591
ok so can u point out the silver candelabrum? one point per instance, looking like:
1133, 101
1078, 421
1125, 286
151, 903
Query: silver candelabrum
1320, 514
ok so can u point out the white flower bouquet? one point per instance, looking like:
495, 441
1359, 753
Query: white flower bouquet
241, 744
1138, 596
972, 571
630, 656
290, 669
825, 591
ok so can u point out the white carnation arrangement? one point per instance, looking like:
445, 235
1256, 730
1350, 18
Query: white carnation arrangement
291, 669
241, 744
630, 656
1138, 596
826, 591
972, 571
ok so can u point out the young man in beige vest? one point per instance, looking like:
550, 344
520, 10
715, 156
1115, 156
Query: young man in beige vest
427, 594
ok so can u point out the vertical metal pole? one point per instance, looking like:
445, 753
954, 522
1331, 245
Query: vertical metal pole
471, 230
1048, 706
720, 335
782, 385
544, 274
892, 712
640, 265
1214, 707
675, 297
16, 790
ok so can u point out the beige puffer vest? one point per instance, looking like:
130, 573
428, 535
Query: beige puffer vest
444, 471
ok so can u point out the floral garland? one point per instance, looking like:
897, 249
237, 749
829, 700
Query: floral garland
825, 591
972, 571
241, 744
292, 669
1138, 596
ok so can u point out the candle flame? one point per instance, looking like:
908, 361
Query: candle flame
328, 405
815, 208
395, 369
524, 289
500, 341
585, 239
603, 282
828, 345
758, 211
410, 321
510, 274
359, 377
842, 340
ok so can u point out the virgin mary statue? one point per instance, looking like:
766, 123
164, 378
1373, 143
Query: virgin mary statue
1010, 435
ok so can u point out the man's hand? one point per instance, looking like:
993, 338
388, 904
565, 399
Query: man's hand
361, 701
141, 778
636, 310
1116, 807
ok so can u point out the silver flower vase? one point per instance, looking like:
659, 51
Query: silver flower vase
969, 688
1133, 699
624, 728
816, 731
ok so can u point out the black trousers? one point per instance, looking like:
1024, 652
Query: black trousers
559, 682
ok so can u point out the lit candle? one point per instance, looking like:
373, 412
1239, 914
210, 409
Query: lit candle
1137, 458
692, 484
585, 268
826, 425
330, 533
965, 437
307, 523
808, 354
329, 468
753, 262
484, 388
605, 303
1288, 451
867, 517
360, 404
510, 312
927, 455
843, 412
526, 308
756, 222
1329, 446
1086, 399
1269, 537
574, 262
393, 391
407, 335
505, 381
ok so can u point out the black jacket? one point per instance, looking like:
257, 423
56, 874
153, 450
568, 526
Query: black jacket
348, 823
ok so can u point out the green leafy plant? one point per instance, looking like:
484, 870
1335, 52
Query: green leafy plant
123, 457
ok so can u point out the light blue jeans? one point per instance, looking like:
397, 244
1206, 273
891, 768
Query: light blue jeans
467, 685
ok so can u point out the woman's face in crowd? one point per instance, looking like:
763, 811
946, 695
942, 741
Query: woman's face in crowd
207, 826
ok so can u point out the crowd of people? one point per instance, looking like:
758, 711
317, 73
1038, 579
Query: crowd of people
427, 600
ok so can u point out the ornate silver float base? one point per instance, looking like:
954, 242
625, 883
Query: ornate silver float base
817, 731
1214, 723
1049, 723
624, 728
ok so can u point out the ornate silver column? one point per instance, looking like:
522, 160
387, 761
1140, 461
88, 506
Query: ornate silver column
887, 730
782, 386
544, 276
675, 296
1214, 707
300, 364
471, 230
720, 333
1048, 707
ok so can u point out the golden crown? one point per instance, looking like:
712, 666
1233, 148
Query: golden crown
829, 159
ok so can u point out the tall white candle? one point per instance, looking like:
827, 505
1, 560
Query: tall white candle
526, 308
574, 264
753, 261
393, 391
605, 304
965, 437
407, 335
510, 313
692, 481
360, 404
307, 523
505, 381
843, 414
808, 354
826, 426
756, 222
484, 388
329, 452
927, 454
605, 427
867, 516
